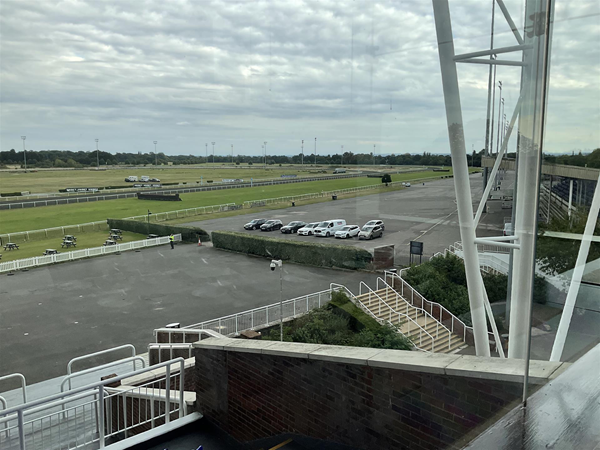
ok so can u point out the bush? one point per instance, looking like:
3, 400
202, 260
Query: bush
386, 178
188, 234
321, 255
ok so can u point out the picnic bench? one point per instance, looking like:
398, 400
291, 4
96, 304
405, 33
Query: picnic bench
116, 231
68, 244
50, 251
114, 237
69, 237
152, 236
11, 246
109, 242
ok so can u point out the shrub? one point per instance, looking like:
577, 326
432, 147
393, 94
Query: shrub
386, 178
321, 255
188, 234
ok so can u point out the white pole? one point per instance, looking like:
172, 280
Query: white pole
534, 78
570, 196
584, 249
461, 173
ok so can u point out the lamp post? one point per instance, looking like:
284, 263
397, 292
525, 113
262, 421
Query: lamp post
373, 154
24, 152
315, 151
155, 154
302, 151
206, 147
231, 153
213, 144
342, 162
97, 156
274, 264
265, 153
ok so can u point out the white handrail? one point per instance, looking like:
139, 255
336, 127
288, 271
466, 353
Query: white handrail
422, 330
416, 308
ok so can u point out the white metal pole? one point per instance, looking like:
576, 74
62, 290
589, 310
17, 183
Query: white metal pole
489, 99
302, 151
584, 249
461, 174
24, 152
315, 151
533, 91
97, 156
281, 301
571, 196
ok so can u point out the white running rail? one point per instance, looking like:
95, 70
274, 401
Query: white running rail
17, 264
390, 290
400, 315
95, 414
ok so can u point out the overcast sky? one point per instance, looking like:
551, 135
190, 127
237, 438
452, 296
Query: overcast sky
188, 72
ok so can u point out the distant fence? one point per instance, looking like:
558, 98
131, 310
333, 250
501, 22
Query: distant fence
10, 266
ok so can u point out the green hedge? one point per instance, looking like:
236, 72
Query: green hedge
10, 194
321, 255
188, 234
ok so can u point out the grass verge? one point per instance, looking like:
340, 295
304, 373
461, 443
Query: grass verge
84, 240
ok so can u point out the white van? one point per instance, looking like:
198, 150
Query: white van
131, 178
145, 178
329, 227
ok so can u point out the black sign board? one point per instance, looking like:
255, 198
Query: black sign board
81, 189
416, 248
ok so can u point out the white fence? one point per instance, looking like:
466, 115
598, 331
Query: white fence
10, 266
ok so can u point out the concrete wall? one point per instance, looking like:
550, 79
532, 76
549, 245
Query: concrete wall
365, 398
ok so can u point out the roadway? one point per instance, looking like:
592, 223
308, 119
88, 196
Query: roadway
424, 212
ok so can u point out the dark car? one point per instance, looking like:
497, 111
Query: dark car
271, 225
254, 224
292, 227
154, 180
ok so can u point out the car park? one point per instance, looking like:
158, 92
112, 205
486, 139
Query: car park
372, 223
308, 229
370, 232
271, 225
293, 227
349, 231
254, 224
329, 227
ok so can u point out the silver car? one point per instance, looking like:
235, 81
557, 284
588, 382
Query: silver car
372, 223
370, 232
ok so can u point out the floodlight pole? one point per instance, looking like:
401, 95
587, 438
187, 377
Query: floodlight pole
460, 168
265, 154
97, 156
315, 151
302, 151
231, 153
342, 162
213, 145
24, 152
155, 154
206, 149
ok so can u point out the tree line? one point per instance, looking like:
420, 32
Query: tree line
66, 158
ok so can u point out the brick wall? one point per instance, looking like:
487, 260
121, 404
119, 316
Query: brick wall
255, 395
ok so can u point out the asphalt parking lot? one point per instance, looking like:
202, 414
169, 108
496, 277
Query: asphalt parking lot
425, 213
51, 314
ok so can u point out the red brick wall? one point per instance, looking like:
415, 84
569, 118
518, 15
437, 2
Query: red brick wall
253, 396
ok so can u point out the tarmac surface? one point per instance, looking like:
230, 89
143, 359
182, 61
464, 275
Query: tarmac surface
52, 314
424, 213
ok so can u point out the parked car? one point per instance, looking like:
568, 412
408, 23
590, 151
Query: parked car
509, 230
254, 224
372, 223
329, 227
370, 232
155, 180
131, 179
348, 231
293, 227
406, 184
144, 178
271, 225
308, 229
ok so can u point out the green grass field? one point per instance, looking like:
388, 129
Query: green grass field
84, 240
52, 216
51, 181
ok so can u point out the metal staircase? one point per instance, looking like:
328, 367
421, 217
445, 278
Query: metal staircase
424, 330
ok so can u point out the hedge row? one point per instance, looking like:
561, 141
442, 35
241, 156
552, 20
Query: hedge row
10, 194
321, 255
188, 234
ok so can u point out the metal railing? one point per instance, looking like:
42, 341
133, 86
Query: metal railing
158, 347
3, 401
264, 316
129, 347
454, 323
402, 318
17, 264
100, 413
418, 311
487, 261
